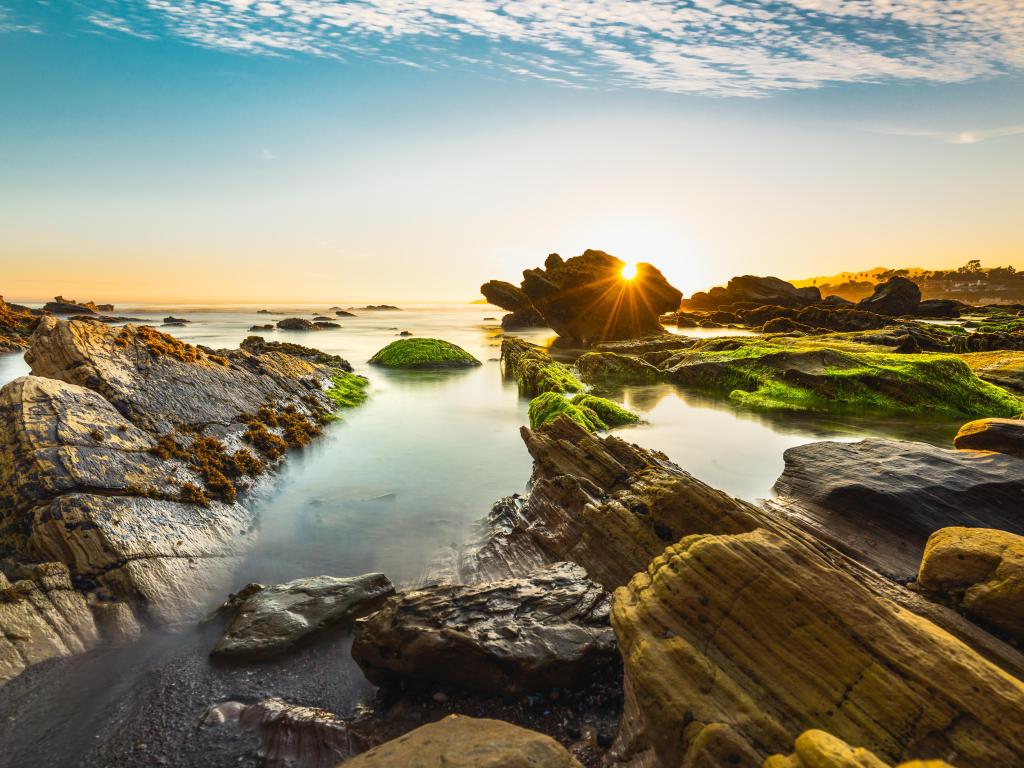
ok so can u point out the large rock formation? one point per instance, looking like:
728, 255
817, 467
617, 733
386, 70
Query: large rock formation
62, 306
981, 570
752, 290
882, 499
466, 742
586, 299
273, 620
522, 313
549, 628
896, 296
124, 454
735, 645
16, 324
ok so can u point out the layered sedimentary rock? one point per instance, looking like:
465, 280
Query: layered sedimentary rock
587, 299
273, 620
734, 645
124, 454
882, 499
548, 628
16, 324
981, 570
466, 742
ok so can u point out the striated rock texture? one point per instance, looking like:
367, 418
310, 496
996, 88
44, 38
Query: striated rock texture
882, 499
586, 299
896, 296
273, 620
466, 742
16, 324
124, 454
818, 749
549, 628
999, 435
734, 645
981, 570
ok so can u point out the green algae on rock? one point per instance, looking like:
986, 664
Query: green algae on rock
612, 367
809, 376
611, 413
347, 390
423, 353
589, 411
534, 370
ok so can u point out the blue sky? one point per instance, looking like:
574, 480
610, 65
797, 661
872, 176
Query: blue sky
400, 149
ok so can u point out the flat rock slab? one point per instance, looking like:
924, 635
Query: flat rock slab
274, 619
467, 742
999, 435
506, 637
880, 500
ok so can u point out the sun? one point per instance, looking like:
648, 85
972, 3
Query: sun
629, 271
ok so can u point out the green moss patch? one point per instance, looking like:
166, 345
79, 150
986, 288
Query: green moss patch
347, 390
590, 412
614, 368
612, 414
423, 353
534, 370
809, 377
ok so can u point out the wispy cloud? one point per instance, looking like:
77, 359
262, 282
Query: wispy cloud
718, 47
953, 137
266, 154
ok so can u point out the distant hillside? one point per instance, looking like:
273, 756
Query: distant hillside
971, 283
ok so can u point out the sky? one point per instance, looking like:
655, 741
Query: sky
402, 150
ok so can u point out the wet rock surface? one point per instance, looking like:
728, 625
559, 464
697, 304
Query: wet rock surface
818, 749
273, 620
999, 435
548, 628
883, 498
16, 325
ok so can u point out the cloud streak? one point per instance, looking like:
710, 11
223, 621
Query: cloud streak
719, 47
953, 137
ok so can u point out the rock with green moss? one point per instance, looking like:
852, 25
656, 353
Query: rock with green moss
612, 414
812, 375
347, 390
614, 368
423, 353
534, 370
548, 406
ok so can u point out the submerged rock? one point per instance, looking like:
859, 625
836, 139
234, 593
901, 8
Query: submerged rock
612, 368
273, 620
466, 742
735, 645
549, 628
896, 296
999, 435
980, 569
884, 498
423, 353
296, 324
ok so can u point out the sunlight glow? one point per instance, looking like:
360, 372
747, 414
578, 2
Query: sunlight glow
629, 271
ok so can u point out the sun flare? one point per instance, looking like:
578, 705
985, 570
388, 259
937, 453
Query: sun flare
629, 271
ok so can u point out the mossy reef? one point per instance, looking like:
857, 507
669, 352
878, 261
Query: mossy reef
589, 411
423, 353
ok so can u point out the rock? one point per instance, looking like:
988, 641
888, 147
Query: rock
321, 319
982, 570
896, 296
296, 324
589, 411
941, 308
881, 499
999, 435
343, 313
423, 353
527, 317
273, 620
16, 325
267, 327
379, 308
466, 742
818, 749
819, 316
323, 325
405, 333
257, 345
547, 629
835, 300
176, 320
757, 637
505, 295
42, 618
291, 736
534, 370
62, 306
586, 299
612, 368
785, 325
756, 290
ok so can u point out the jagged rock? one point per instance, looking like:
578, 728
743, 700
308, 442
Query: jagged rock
547, 629
586, 299
755, 290
466, 742
882, 498
505, 295
817, 316
761, 637
291, 735
982, 570
896, 296
818, 749
257, 345
16, 324
611, 367
273, 620
171, 319
999, 435
527, 317
296, 324
343, 313
62, 306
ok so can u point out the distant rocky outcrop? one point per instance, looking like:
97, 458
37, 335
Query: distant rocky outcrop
896, 296
125, 453
754, 291
586, 299
62, 306
296, 324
